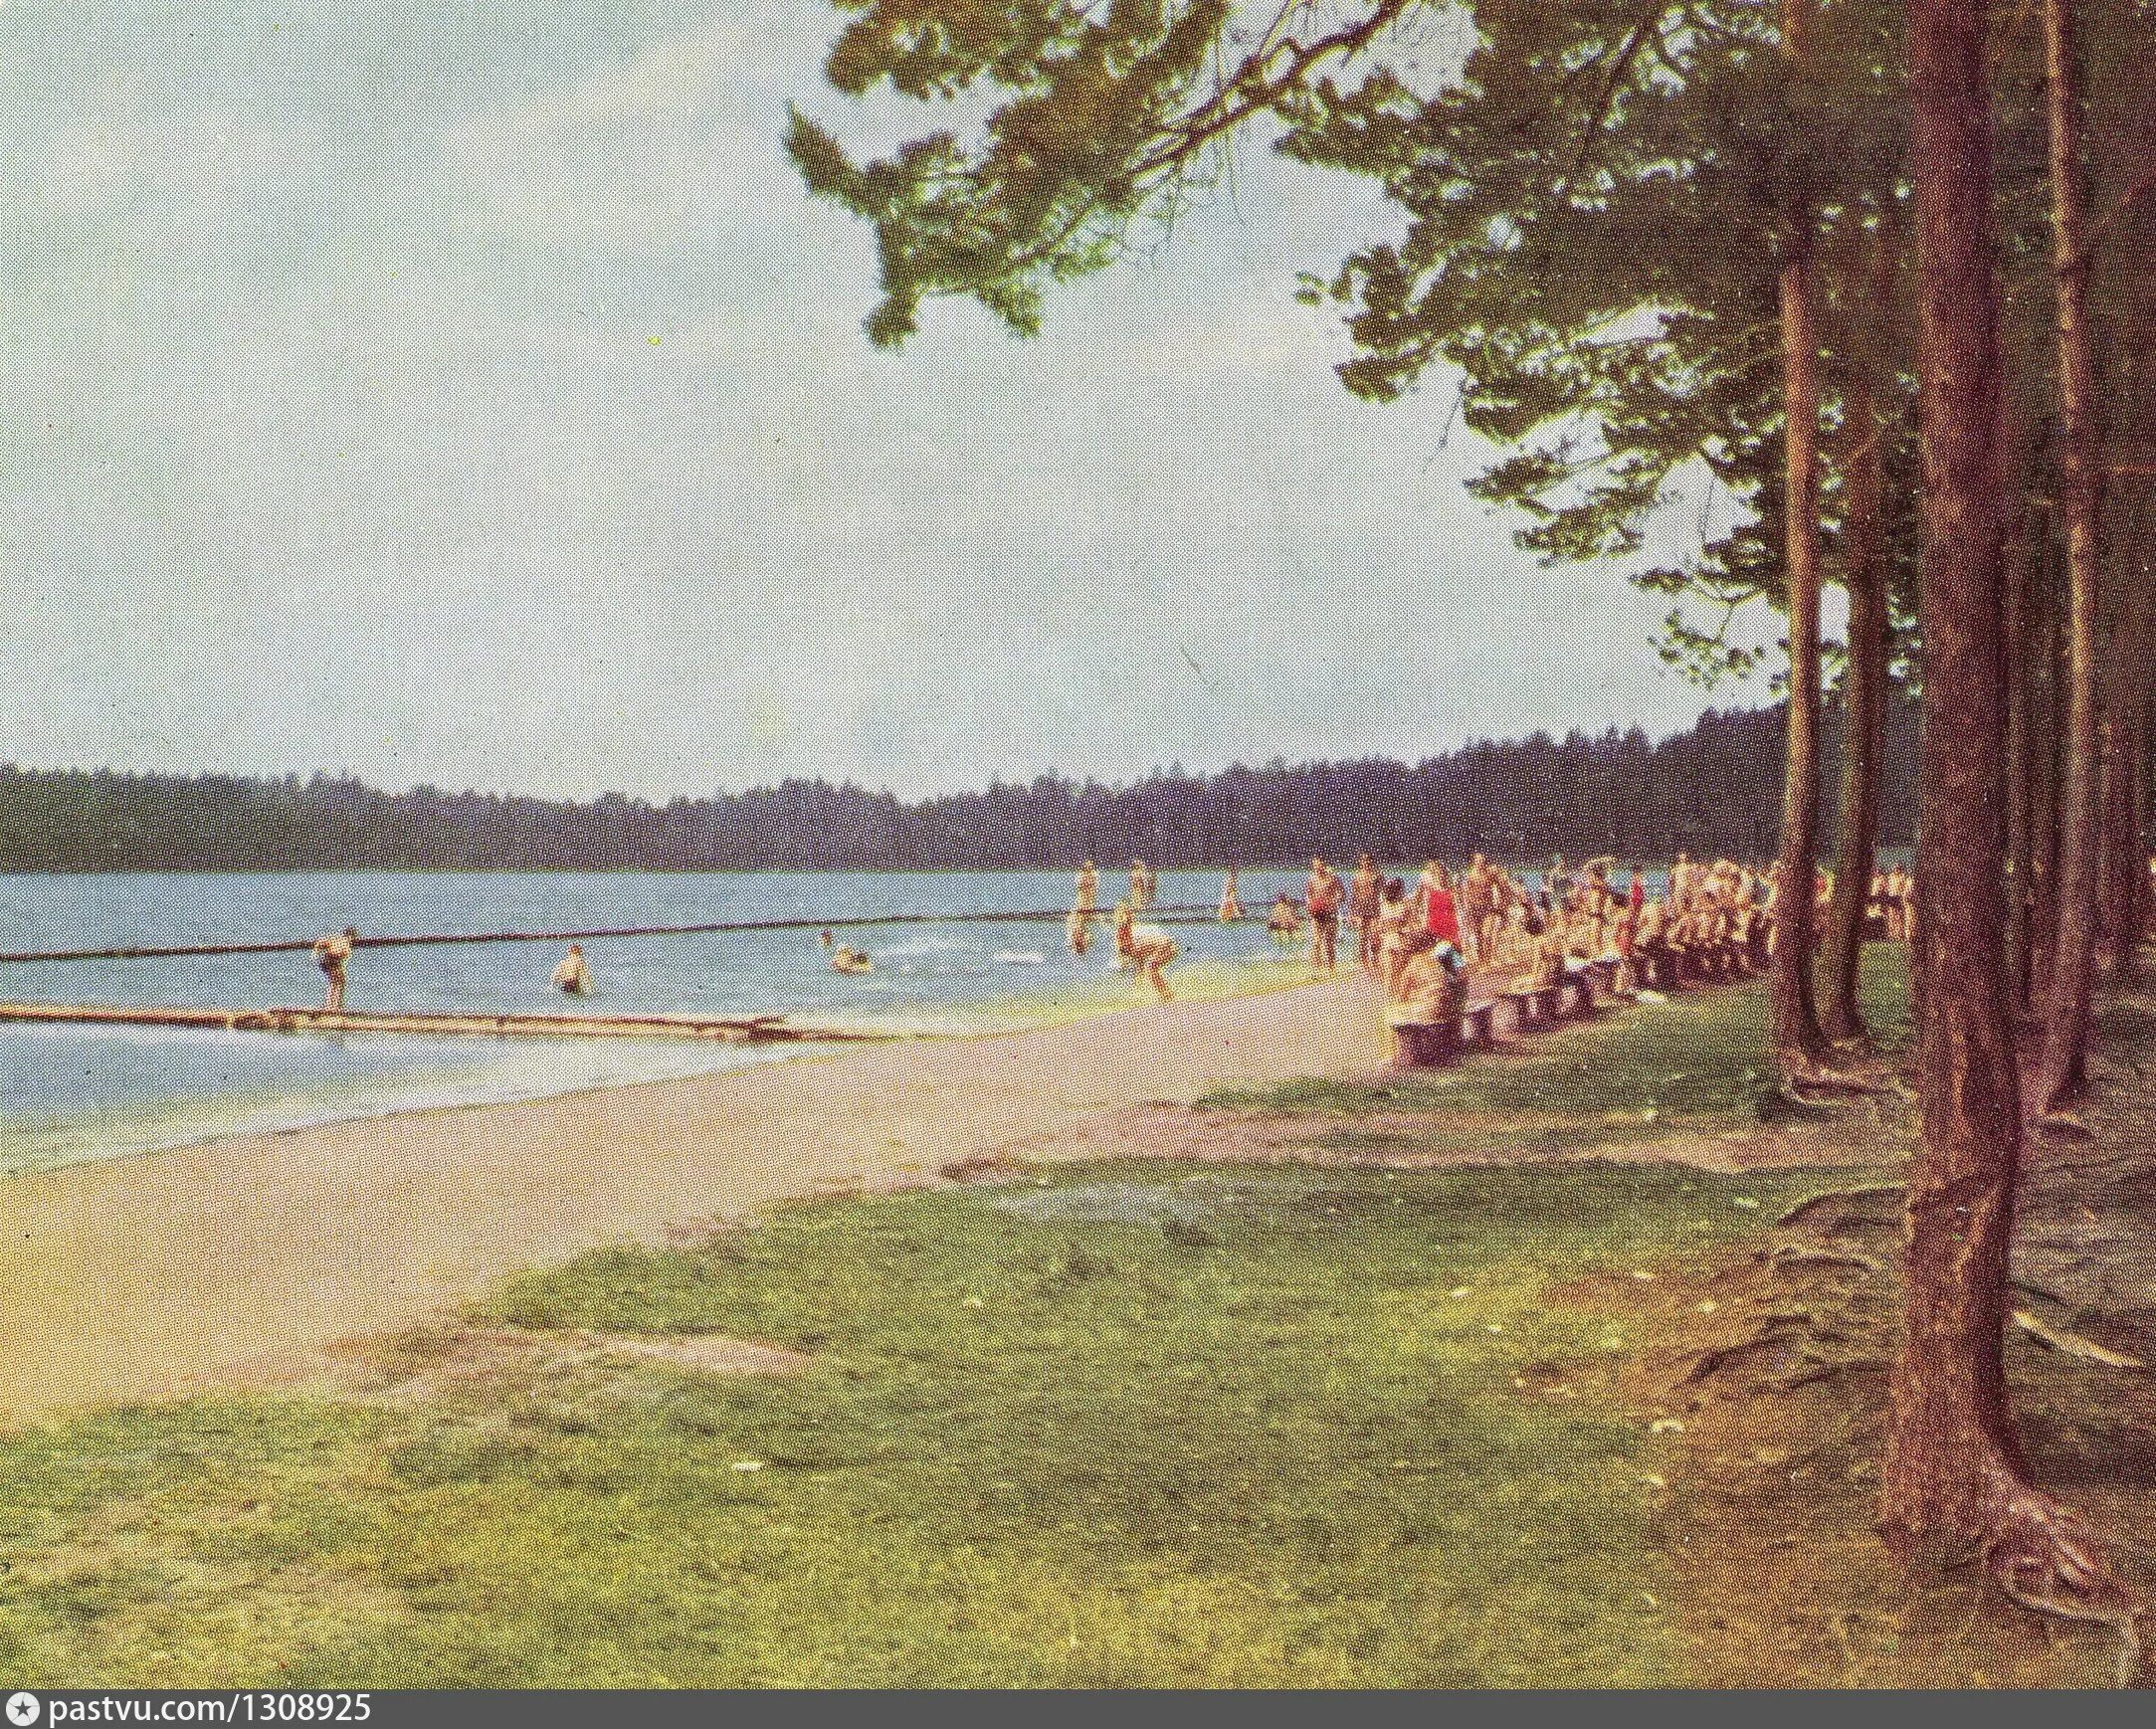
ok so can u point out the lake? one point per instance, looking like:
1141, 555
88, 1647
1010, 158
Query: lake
73, 1093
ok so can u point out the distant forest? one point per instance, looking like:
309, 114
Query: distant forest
1715, 788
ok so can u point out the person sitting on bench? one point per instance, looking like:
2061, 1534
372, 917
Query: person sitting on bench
1432, 982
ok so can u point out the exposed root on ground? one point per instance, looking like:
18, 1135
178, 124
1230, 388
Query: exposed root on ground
1803, 1215
2073, 1344
1829, 1309
2045, 1557
1832, 1085
1792, 1255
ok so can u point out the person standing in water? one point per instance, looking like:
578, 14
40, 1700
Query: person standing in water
1284, 922
1230, 907
1078, 928
1143, 884
331, 953
571, 976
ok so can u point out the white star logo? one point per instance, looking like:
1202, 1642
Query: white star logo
22, 1709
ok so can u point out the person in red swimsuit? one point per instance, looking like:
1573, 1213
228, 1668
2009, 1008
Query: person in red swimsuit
1441, 913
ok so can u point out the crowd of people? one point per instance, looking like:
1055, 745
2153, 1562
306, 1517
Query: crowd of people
1420, 940
1533, 927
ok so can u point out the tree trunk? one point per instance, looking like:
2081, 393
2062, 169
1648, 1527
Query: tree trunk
1954, 1471
1799, 1043
2047, 660
2066, 1040
1863, 721
2021, 751
2123, 869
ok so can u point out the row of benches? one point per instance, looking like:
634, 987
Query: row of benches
1419, 1044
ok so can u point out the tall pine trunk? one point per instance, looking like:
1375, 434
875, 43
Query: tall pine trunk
2122, 868
2021, 753
1953, 1466
1863, 732
1797, 1041
2066, 1040
2047, 660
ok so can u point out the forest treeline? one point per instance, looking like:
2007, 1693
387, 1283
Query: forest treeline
1714, 788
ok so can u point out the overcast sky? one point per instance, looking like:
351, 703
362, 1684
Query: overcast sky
469, 394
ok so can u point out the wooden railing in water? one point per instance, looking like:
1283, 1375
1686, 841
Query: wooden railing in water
301, 945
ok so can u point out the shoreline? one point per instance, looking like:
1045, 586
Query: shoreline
147, 1128
161, 1273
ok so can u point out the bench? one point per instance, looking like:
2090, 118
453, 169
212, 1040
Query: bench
1533, 1005
1581, 984
1429, 1044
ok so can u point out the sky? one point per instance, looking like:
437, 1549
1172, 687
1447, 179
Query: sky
470, 395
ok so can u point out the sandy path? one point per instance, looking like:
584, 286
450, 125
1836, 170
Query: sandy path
150, 1275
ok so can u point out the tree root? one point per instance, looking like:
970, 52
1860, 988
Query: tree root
2072, 1344
1821, 1371
1798, 1079
2064, 1125
1834, 1197
1794, 1254
2043, 1557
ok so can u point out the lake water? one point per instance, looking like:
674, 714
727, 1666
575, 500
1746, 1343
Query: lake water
73, 1093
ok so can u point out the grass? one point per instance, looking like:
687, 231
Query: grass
1696, 1060
1140, 1426
1123, 1425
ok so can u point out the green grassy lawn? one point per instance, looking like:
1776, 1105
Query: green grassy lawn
1140, 1426
1694, 1060
1140, 1423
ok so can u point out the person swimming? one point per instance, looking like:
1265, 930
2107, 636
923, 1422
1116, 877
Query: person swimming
570, 974
844, 959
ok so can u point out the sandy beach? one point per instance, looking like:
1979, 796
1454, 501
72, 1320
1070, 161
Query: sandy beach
244, 1257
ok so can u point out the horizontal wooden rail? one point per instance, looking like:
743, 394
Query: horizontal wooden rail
301, 945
